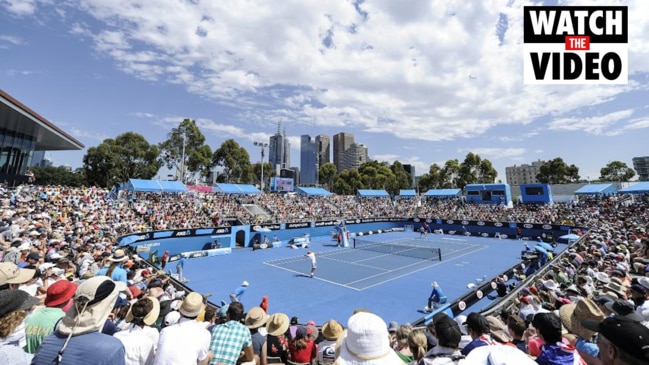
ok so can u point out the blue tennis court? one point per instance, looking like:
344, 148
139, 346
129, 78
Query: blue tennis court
395, 287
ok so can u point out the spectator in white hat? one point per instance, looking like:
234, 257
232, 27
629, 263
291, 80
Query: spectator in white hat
187, 342
366, 342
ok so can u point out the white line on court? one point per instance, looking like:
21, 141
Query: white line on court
307, 274
435, 264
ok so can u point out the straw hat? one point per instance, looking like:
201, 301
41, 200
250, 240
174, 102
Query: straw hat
255, 318
118, 256
332, 330
192, 305
277, 324
572, 314
150, 317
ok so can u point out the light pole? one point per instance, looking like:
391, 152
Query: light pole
263, 146
182, 168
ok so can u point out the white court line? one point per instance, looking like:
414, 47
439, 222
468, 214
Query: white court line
315, 277
386, 271
355, 263
412, 272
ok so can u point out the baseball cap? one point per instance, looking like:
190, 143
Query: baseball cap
630, 336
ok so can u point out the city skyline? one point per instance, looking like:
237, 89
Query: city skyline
381, 72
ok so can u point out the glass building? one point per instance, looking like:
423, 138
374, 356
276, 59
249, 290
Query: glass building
22, 132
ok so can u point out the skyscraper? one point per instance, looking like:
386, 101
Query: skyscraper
308, 160
279, 150
342, 141
323, 150
354, 157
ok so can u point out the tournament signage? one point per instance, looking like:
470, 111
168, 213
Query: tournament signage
575, 45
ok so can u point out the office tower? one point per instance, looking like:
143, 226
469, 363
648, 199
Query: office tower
342, 141
279, 150
411, 170
308, 161
354, 156
323, 150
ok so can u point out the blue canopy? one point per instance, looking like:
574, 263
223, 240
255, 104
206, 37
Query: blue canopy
444, 193
596, 189
313, 192
236, 189
156, 186
639, 188
403, 192
372, 193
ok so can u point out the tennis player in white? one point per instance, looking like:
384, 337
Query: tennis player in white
311, 255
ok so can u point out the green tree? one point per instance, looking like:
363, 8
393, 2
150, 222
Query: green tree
127, 156
403, 178
616, 171
450, 176
557, 172
197, 155
268, 173
234, 161
432, 179
475, 170
327, 174
348, 182
50, 175
377, 175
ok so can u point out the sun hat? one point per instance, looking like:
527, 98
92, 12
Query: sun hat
14, 299
255, 318
630, 336
332, 330
245, 283
366, 342
615, 288
644, 281
550, 285
192, 305
624, 309
118, 256
498, 355
602, 277
93, 302
497, 329
12, 274
572, 314
150, 317
59, 293
277, 324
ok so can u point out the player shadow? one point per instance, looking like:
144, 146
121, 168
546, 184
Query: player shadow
330, 244
302, 276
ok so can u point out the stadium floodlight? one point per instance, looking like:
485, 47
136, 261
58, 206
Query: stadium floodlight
263, 146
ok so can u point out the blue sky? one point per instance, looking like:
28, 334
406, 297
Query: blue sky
416, 81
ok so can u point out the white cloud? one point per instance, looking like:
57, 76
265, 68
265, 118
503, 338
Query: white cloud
596, 125
386, 69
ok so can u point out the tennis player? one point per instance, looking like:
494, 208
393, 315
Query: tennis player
311, 256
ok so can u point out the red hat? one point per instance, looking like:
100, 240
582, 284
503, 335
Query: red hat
59, 293
135, 291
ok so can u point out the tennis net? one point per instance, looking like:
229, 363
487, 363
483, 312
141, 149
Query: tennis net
400, 249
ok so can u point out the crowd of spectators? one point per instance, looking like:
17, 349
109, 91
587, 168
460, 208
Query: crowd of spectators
69, 296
